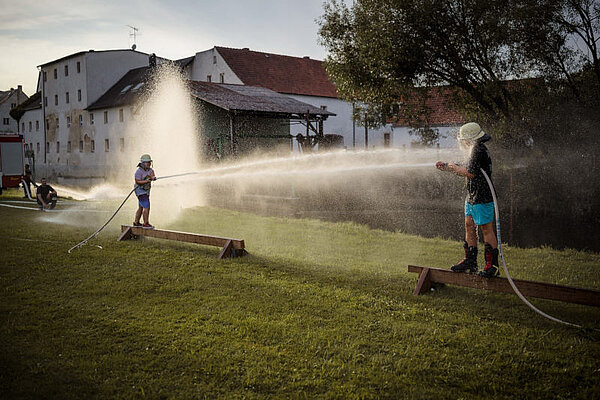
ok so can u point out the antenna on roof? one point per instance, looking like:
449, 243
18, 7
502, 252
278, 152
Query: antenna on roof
134, 34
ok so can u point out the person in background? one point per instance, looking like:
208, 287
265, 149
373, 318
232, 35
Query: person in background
479, 204
143, 182
46, 195
28, 180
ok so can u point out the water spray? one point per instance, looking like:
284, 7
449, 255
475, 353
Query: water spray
512, 284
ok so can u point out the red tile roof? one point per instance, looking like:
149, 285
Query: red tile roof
283, 74
441, 107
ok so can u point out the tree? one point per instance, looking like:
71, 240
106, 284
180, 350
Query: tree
380, 50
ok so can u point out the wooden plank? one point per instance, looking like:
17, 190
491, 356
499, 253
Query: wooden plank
540, 290
185, 237
424, 283
227, 250
126, 234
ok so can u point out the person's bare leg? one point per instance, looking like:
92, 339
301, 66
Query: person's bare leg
489, 236
146, 214
138, 214
470, 231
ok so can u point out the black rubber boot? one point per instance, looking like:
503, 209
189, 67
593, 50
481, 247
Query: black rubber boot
491, 268
469, 263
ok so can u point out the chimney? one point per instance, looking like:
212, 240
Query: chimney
20, 88
152, 60
306, 57
246, 48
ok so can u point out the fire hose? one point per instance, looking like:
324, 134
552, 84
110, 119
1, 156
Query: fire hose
512, 284
93, 235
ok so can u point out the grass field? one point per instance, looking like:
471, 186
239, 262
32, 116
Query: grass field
316, 309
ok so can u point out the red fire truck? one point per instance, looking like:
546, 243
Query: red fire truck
11, 160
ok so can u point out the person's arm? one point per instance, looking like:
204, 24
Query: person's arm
454, 168
142, 182
41, 198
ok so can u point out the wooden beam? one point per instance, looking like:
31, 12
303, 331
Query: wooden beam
540, 290
184, 236
227, 249
125, 235
424, 282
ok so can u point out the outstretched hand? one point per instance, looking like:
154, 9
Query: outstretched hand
442, 166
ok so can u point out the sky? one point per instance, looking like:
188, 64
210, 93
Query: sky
33, 32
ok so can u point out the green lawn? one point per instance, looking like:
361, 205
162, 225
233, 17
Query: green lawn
317, 309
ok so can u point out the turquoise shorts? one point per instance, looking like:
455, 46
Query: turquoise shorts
482, 213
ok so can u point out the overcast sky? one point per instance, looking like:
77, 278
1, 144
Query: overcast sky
33, 32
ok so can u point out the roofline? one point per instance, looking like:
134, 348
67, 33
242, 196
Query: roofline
263, 52
89, 51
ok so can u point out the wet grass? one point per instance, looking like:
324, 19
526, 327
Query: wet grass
317, 309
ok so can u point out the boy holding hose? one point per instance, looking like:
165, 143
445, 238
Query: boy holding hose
143, 181
479, 204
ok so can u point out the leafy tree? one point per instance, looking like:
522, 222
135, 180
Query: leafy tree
380, 50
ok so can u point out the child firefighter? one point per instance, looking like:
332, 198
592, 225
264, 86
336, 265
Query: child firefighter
143, 181
479, 204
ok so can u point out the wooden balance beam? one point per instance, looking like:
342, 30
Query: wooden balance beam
230, 247
541, 290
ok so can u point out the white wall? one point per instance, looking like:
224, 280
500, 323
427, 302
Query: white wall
105, 68
204, 65
98, 72
402, 138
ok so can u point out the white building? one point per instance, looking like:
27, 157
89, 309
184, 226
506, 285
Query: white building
10, 99
301, 78
71, 137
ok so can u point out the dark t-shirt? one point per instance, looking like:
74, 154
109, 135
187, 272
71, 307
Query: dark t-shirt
479, 191
44, 190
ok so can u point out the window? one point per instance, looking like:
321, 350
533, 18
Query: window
57, 123
91, 118
222, 77
126, 88
78, 94
106, 117
208, 78
214, 59
80, 120
131, 112
120, 115
92, 146
13, 105
55, 99
6, 121
30, 126
58, 147
67, 97
47, 124
66, 70
55, 74
122, 144
37, 125
38, 147
22, 127
68, 122
45, 75
81, 146
45, 101
69, 146
78, 67
47, 147
324, 108
387, 139
106, 145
